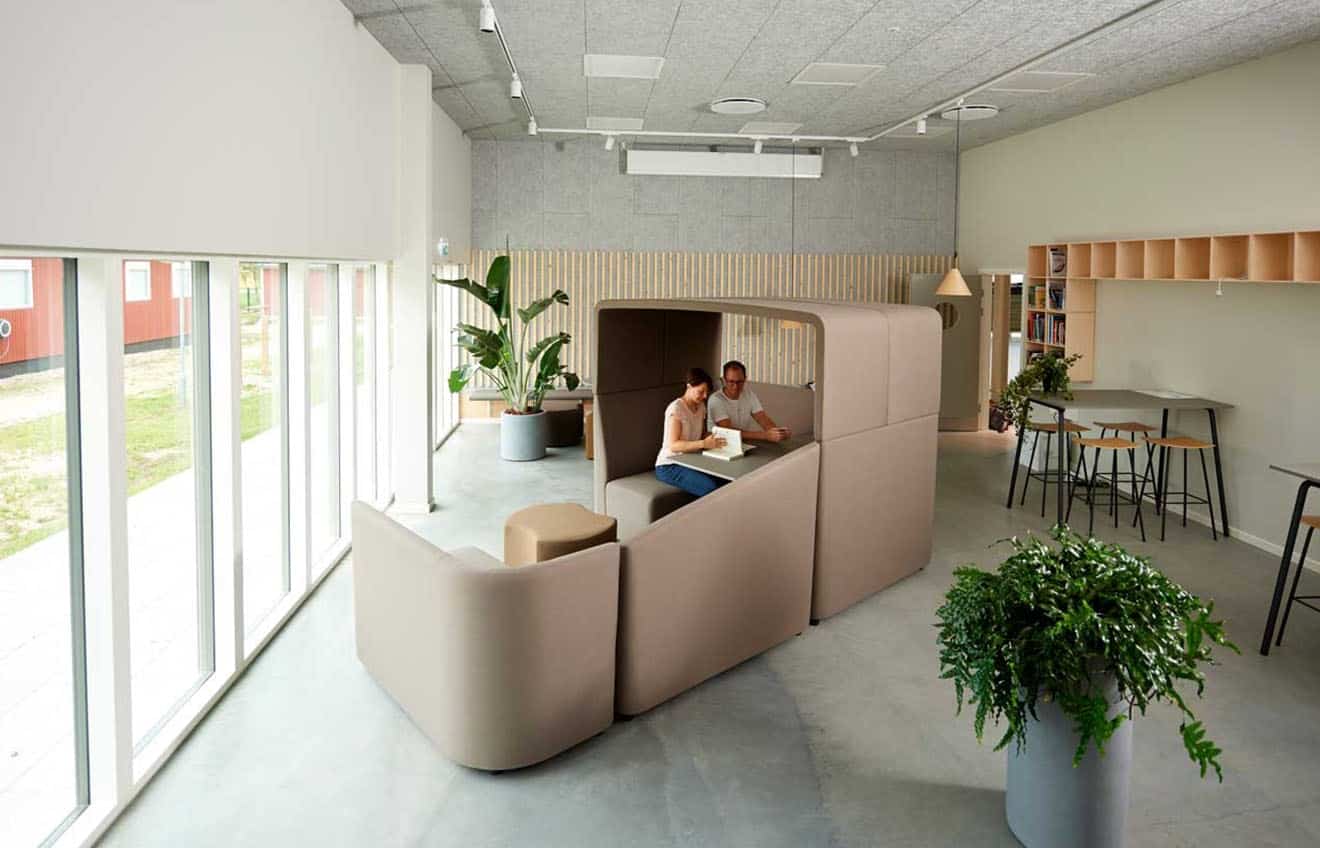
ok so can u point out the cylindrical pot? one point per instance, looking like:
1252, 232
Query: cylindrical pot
523, 437
1051, 804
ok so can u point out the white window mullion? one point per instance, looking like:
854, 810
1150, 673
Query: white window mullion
384, 384
347, 412
105, 528
226, 464
299, 408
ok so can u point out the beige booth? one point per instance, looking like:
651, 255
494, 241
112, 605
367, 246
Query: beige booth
501, 667
873, 413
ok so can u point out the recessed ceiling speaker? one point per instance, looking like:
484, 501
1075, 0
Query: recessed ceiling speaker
970, 112
737, 106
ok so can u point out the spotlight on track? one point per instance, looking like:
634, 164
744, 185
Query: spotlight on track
487, 19
921, 125
609, 142
531, 126
515, 88
852, 149
756, 148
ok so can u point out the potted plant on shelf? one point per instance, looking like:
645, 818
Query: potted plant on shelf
522, 373
1066, 646
1047, 373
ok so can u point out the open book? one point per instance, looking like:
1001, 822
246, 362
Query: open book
733, 444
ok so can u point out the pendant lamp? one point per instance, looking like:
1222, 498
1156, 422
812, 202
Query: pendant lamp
953, 284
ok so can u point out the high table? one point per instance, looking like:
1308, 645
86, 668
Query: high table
1127, 399
732, 469
1309, 472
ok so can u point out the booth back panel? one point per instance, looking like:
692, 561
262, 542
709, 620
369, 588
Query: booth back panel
692, 340
634, 343
915, 336
877, 507
716, 582
629, 427
790, 406
854, 379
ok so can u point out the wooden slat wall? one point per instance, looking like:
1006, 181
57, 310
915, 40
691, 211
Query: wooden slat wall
776, 352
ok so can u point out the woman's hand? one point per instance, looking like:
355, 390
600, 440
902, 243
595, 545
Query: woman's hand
712, 442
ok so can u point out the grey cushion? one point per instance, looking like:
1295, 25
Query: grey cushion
640, 499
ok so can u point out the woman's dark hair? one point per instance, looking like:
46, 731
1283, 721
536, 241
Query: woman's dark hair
697, 376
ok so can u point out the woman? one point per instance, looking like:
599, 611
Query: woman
685, 432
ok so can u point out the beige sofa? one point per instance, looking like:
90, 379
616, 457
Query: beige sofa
501, 667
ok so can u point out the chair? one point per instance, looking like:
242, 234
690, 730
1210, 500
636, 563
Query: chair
1049, 428
1131, 428
1116, 497
1162, 493
1311, 522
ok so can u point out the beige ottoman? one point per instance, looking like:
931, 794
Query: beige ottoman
546, 531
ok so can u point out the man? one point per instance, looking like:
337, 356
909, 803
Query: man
738, 407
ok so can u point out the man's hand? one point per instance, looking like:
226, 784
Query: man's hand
712, 442
777, 434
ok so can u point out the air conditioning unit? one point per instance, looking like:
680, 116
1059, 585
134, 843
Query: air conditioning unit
708, 163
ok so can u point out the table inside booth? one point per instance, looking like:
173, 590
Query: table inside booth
731, 469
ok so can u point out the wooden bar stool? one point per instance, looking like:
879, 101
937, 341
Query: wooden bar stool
1049, 428
1162, 493
1311, 522
1132, 428
1116, 445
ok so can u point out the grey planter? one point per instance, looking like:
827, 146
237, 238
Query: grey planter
1051, 804
523, 437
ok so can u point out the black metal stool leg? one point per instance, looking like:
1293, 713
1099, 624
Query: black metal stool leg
1113, 488
1209, 498
1072, 484
1287, 608
1184, 487
1150, 466
1164, 487
1045, 479
1031, 465
1090, 501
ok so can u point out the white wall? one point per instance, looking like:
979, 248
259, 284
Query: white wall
243, 126
453, 185
1232, 151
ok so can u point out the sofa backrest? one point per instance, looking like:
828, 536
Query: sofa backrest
790, 406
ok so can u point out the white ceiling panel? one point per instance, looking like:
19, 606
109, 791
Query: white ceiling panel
931, 50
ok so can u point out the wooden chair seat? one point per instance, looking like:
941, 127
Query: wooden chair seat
1181, 442
1053, 427
1125, 426
1312, 521
1106, 443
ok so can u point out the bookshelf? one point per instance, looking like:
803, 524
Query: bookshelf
1058, 301
1058, 295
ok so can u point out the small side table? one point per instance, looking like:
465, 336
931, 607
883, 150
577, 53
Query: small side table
1309, 472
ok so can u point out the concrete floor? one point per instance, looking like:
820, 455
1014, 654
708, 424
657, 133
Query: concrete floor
841, 737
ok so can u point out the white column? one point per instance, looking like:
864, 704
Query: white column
300, 455
414, 295
104, 526
226, 464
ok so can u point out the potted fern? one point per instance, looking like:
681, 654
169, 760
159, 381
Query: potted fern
1065, 646
521, 372
1047, 373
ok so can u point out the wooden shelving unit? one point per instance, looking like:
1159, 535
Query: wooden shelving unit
1058, 297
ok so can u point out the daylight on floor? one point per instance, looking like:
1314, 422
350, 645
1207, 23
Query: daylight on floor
650, 423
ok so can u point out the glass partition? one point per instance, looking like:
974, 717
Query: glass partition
323, 375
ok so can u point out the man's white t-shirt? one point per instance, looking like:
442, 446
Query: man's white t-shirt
739, 411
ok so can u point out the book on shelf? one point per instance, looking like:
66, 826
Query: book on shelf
1038, 297
1056, 298
1058, 261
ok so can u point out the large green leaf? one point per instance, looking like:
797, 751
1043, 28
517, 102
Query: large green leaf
497, 287
458, 378
477, 290
536, 307
486, 346
540, 347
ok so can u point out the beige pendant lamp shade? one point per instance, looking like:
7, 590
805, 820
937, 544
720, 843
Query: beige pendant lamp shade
953, 284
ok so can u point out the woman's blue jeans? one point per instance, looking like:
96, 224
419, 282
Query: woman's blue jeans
689, 480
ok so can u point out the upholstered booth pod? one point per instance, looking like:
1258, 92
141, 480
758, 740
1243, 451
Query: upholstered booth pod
873, 413
501, 667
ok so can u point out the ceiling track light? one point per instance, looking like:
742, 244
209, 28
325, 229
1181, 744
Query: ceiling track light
486, 21
531, 126
852, 149
515, 88
756, 148
921, 125
609, 142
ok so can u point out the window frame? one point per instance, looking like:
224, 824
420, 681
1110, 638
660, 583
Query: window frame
131, 265
181, 283
22, 265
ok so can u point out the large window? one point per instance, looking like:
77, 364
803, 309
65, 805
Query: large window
263, 339
166, 411
323, 379
42, 678
364, 379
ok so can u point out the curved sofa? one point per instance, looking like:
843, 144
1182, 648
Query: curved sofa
501, 667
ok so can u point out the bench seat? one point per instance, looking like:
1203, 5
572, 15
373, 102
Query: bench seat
640, 499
